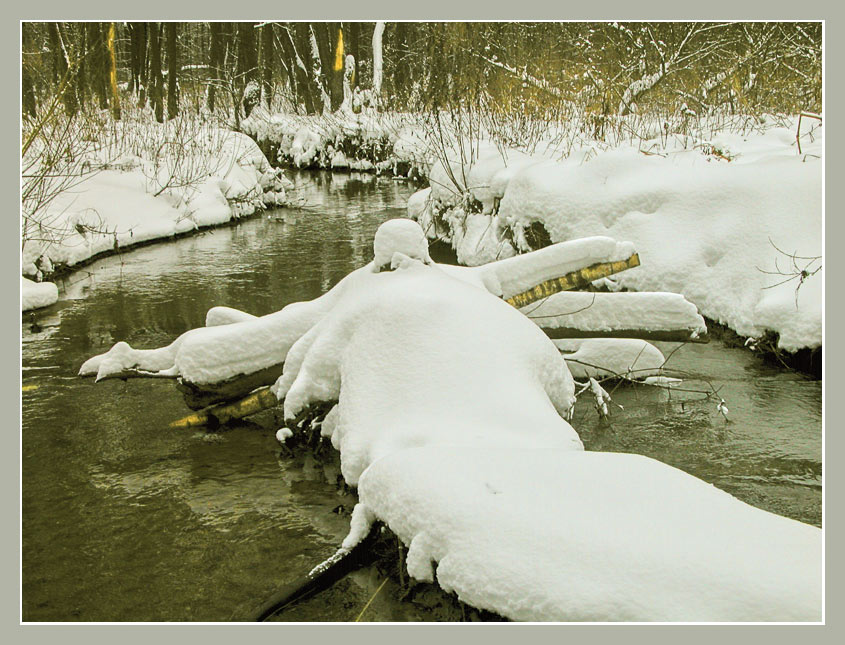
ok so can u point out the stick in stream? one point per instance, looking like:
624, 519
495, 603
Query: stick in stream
321, 577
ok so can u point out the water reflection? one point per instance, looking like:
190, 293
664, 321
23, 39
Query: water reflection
124, 519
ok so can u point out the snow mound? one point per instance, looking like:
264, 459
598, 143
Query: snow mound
542, 534
416, 357
399, 236
35, 295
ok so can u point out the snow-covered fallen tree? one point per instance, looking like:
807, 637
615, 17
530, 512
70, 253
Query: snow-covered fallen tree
237, 352
449, 407
733, 222
655, 316
612, 357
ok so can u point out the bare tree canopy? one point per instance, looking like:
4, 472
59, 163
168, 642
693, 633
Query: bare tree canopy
603, 68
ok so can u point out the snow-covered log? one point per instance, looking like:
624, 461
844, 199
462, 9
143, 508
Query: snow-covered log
601, 357
236, 352
649, 316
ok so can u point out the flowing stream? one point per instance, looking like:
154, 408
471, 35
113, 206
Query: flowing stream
125, 520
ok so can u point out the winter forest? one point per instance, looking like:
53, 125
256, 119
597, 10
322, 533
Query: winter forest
422, 321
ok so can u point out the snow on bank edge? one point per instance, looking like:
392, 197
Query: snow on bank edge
116, 208
719, 232
35, 295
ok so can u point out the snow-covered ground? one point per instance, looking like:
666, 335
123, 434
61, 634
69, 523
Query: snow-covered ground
450, 412
734, 223
135, 199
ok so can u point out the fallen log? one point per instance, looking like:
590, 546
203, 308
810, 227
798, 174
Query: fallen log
198, 397
261, 399
572, 280
647, 316
667, 335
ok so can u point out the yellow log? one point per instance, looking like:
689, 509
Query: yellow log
257, 401
572, 280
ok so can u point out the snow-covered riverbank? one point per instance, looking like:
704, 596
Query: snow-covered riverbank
135, 200
391, 143
733, 223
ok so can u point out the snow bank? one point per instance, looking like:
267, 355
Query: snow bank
553, 535
366, 141
37, 294
705, 230
129, 203
717, 221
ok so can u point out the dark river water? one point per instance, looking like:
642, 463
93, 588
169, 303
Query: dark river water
125, 520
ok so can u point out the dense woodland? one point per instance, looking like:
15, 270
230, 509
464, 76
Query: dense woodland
541, 69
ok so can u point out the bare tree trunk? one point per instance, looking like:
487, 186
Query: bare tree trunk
267, 63
81, 84
335, 72
156, 81
301, 48
29, 102
132, 28
306, 52
324, 53
173, 69
144, 61
353, 31
97, 66
215, 60
62, 62
247, 69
